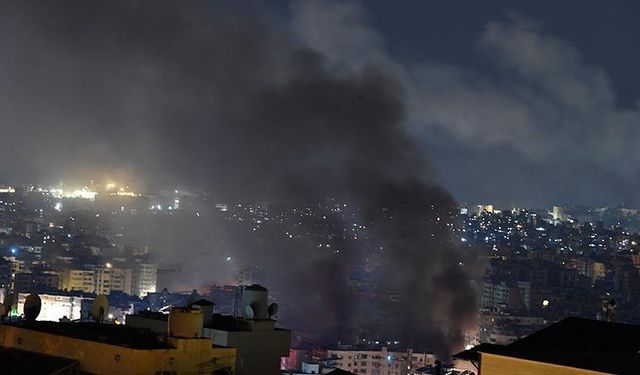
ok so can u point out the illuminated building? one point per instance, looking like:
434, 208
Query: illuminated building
119, 349
572, 346
122, 280
83, 193
145, 279
56, 306
139, 281
109, 278
260, 345
78, 279
483, 208
599, 270
382, 362
102, 280
514, 295
558, 214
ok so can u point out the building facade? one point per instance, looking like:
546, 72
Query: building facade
380, 362
118, 349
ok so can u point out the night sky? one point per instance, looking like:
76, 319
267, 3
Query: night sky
539, 99
515, 103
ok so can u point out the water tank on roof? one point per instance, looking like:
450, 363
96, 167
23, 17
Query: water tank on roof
207, 311
255, 302
185, 322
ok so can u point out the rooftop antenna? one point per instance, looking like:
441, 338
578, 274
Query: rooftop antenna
32, 307
99, 308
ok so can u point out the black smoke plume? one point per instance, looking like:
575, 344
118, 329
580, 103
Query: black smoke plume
219, 99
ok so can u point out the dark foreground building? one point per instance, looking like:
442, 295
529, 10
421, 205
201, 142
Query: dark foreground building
43, 347
571, 346
259, 344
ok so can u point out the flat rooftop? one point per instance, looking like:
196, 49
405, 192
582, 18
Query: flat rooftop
234, 324
152, 315
219, 322
575, 342
111, 334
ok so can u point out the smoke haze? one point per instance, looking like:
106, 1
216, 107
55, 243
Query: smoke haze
214, 99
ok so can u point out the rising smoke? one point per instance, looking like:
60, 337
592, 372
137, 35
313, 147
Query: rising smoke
204, 96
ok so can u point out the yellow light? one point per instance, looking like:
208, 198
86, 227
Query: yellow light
81, 193
109, 265
125, 194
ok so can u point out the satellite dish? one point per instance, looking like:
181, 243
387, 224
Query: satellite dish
32, 306
99, 308
249, 313
273, 310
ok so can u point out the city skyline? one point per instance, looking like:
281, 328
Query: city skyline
317, 185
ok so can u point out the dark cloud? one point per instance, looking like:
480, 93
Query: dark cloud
525, 106
203, 96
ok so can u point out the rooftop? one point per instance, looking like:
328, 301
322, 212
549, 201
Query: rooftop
236, 324
202, 302
152, 315
575, 342
20, 362
219, 322
111, 334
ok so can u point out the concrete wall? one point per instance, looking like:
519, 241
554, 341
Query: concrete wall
158, 326
187, 356
259, 352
